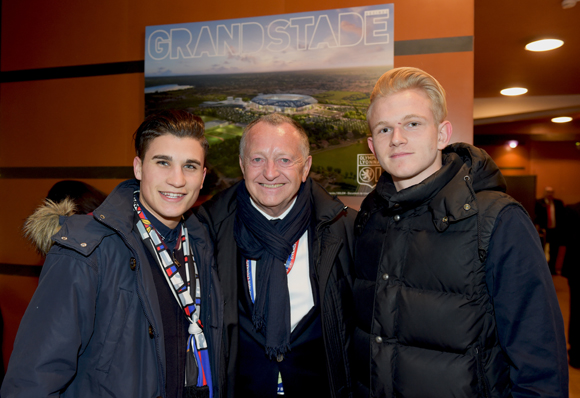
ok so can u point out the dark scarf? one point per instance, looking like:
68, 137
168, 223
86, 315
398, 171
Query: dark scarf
259, 239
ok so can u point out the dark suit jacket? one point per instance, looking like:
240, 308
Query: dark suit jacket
541, 211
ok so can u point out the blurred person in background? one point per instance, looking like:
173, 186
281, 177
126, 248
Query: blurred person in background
64, 199
571, 270
549, 214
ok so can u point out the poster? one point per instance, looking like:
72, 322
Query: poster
317, 67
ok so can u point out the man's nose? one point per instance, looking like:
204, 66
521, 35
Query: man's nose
398, 137
271, 170
176, 178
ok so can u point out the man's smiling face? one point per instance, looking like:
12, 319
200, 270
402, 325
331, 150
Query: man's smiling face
406, 139
171, 175
274, 166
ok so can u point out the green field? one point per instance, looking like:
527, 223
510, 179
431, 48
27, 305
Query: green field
344, 98
343, 158
220, 134
207, 118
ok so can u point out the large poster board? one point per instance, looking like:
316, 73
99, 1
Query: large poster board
317, 67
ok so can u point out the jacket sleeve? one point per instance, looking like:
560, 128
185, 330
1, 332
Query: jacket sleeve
529, 322
55, 329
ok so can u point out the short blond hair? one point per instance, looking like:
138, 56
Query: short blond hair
406, 78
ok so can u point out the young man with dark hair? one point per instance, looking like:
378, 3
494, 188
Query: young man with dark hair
453, 297
127, 303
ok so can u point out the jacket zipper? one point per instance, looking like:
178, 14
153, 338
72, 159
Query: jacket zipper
481, 373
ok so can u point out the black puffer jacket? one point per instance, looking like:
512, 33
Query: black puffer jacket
332, 253
425, 320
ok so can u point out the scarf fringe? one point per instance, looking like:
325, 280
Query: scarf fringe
274, 352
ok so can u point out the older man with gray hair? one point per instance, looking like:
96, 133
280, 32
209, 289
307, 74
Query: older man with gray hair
284, 253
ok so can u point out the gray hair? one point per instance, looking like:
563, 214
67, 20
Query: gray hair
276, 119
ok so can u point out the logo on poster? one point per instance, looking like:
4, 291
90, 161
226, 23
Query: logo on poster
368, 170
304, 32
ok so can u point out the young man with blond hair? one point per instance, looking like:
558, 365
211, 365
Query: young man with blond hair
453, 297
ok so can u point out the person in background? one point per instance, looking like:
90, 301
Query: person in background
64, 199
571, 270
128, 304
85, 197
453, 297
549, 214
283, 254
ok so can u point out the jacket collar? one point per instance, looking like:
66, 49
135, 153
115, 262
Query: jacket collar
449, 192
325, 206
117, 210
114, 215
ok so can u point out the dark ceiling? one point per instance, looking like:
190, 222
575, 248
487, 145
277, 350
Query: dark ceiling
502, 29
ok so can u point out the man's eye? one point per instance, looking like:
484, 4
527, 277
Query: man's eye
385, 130
256, 160
413, 124
162, 162
190, 167
285, 160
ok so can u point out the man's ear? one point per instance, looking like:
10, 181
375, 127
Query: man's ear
203, 178
137, 167
242, 166
306, 170
371, 145
444, 134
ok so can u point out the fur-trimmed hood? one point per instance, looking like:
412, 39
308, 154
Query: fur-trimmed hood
41, 225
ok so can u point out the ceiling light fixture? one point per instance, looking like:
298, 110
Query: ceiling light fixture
561, 119
544, 45
514, 91
513, 144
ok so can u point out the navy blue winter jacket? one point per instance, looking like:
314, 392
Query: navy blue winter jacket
93, 327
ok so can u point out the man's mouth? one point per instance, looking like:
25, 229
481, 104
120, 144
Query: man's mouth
172, 195
399, 154
271, 185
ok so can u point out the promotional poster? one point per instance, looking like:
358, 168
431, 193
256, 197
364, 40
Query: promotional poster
317, 67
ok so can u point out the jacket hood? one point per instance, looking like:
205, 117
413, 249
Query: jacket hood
46, 221
83, 233
484, 173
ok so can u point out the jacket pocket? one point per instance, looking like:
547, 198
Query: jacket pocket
114, 331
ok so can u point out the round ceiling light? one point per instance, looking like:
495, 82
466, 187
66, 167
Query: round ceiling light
561, 119
544, 45
514, 91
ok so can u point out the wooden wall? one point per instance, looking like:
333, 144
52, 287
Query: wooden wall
554, 163
71, 95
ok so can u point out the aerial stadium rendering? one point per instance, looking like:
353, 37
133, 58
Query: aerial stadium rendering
287, 103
